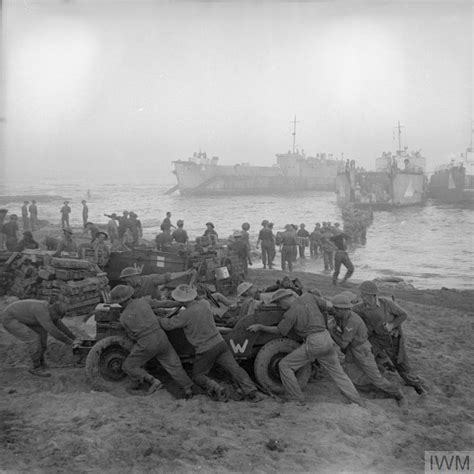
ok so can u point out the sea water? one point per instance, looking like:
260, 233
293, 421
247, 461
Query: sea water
428, 246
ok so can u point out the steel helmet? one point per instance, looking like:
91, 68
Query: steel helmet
243, 287
245, 226
129, 271
350, 295
368, 287
184, 293
121, 293
342, 301
281, 293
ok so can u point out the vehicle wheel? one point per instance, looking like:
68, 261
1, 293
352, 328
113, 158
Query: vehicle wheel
266, 364
104, 362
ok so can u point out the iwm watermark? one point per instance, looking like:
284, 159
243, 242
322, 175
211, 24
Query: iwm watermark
449, 461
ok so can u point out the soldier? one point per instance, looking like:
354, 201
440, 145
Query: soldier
135, 227
180, 235
288, 247
31, 321
341, 257
112, 227
163, 239
147, 285
303, 316
123, 226
33, 209
267, 239
101, 250
27, 242
350, 334
65, 211
200, 329
93, 229
315, 240
384, 319
249, 296
10, 229
24, 215
143, 327
210, 230
242, 250
166, 224
303, 239
66, 244
85, 213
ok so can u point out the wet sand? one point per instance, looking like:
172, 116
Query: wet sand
60, 424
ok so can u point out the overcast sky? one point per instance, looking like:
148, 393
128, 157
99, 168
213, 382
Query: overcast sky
125, 88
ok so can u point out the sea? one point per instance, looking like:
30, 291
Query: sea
428, 246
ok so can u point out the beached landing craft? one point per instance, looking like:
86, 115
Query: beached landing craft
454, 183
293, 171
398, 181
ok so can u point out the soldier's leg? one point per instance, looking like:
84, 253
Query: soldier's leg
326, 260
321, 346
264, 256
30, 337
170, 361
203, 364
337, 268
365, 360
144, 350
288, 367
227, 361
348, 264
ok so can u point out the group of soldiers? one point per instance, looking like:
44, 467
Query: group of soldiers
369, 333
9, 230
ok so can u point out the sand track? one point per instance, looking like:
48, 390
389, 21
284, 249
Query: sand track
60, 425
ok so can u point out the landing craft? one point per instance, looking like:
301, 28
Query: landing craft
398, 181
293, 171
454, 183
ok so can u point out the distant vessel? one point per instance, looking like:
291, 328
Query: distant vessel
454, 182
293, 171
398, 181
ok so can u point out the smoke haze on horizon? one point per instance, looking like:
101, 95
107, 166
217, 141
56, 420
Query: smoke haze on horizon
120, 90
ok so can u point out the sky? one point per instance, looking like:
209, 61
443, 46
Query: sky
106, 90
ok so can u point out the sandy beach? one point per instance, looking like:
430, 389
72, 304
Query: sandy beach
61, 425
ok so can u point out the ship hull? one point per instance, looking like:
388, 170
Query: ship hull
381, 190
452, 186
195, 180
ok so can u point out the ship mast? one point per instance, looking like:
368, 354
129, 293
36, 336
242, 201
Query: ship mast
294, 122
399, 128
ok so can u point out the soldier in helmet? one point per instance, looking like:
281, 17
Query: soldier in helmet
143, 327
242, 250
350, 334
250, 298
303, 315
147, 285
384, 319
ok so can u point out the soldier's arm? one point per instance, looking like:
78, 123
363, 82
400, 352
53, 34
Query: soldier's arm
62, 327
164, 304
398, 313
44, 319
175, 322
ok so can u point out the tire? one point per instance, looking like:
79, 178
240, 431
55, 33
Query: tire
104, 362
266, 365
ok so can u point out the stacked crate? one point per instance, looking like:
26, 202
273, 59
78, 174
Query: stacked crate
79, 284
